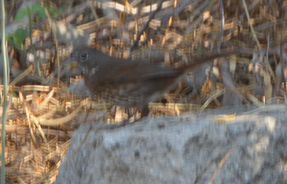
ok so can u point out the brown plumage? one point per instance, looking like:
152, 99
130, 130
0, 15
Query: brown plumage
129, 83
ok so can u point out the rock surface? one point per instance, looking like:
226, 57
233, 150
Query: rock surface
192, 148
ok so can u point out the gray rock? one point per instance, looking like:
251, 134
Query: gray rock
251, 148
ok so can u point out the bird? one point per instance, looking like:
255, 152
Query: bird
129, 83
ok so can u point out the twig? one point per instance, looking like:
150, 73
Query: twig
134, 45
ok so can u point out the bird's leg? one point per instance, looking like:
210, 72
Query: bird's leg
128, 120
144, 111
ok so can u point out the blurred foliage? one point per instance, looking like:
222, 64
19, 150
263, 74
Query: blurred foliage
38, 12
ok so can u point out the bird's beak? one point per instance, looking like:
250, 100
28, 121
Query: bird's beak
70, 62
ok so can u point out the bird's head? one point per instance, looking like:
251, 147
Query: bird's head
81, 58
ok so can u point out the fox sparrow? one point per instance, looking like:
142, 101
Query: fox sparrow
126, 82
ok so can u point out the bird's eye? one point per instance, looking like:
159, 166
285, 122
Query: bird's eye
84, 56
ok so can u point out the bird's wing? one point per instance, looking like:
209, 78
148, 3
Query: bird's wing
125, 73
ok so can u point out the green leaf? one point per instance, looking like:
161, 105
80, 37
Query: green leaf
28, 9
52, 10
20, 14
19, 36
37, 8
55, 13
40, 10
42, 14
9, 38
